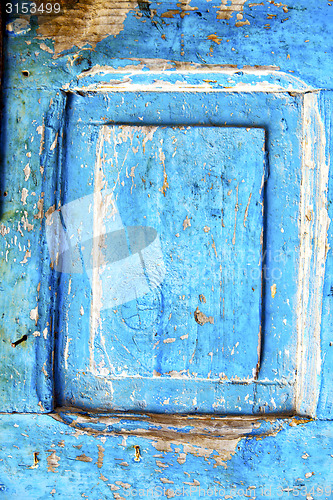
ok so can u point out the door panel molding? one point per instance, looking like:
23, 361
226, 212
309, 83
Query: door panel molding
285, 381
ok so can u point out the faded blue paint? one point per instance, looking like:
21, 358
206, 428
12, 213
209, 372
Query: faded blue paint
74, 178
159, 332
292, 460
186, 109
297, 39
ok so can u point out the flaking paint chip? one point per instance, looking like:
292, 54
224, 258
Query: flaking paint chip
273, 290
186, 223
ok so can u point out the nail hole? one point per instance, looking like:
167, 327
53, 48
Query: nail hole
23, 339
137, 453
5, 193
25, 73
36, 459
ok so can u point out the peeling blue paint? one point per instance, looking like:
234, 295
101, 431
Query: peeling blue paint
269, 59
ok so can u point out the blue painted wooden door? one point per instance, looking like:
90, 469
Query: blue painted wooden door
166, 262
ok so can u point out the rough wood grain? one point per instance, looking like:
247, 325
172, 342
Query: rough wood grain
255, 45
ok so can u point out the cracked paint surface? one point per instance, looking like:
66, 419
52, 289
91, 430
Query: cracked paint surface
255, 48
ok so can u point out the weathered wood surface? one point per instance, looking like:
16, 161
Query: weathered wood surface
260, 46
163, 334
43, 458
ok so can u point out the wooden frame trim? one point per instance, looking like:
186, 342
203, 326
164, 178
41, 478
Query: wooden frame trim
313, 192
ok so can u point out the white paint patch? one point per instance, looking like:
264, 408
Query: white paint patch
54, 143
24, 195
4, 230
66, 352
41, 131
313, 248
34, 314
99, 211
26, 171
26, 256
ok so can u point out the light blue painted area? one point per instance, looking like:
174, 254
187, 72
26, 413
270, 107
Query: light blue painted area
152, 297
238, 83
295, 460
325, 405
147, 169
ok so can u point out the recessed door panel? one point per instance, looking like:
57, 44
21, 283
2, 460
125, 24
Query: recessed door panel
158, 251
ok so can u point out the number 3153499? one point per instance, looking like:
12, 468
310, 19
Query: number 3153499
32, 8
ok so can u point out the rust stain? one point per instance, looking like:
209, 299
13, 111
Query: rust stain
40, 207
309, 215
258, 365
164, 480
299, 421
214, 246
170, 13
123, 485
211, 437
49, 211
161, 464
214, 38
227, 11
88, 22
84, 22
228, 8
242, 23
280, 4
201, 318
165, 177
202, 298
54, 143
36, 460
83, 458
26, 256
137, 457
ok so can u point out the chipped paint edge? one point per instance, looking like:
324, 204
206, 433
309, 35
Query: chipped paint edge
127, 78
314, 223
